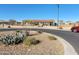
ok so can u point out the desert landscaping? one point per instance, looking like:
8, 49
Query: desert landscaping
21, 42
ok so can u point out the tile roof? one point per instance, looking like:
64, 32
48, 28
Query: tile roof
42, 20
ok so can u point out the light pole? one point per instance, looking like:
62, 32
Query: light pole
58, 15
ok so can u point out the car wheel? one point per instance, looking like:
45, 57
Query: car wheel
75, 30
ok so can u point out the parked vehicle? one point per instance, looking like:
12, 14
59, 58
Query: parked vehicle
75, 29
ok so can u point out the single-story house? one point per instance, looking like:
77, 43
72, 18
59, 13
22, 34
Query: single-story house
41, 22
4, 22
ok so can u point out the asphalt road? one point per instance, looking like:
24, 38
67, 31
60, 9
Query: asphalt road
72, 38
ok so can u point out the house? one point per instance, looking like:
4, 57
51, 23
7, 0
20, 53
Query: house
4, 22
7, 22
41, 22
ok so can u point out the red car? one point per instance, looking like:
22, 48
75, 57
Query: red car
75, 29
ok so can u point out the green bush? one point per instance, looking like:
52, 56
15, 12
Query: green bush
18, 31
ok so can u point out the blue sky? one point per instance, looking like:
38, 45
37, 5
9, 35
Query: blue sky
69, 12
20, 12
38, 11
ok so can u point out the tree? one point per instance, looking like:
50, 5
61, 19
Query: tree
26, 21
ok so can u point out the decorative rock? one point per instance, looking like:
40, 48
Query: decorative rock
30, 33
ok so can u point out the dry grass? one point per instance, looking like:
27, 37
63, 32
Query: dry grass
52, 38
27, 41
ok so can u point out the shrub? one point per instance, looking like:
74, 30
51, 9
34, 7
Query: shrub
60, 27
31, 41
9, 26
39, 31
52, 38
34, 41
27, 41
27, 33
17, 31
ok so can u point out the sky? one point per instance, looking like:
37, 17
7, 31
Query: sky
67, 12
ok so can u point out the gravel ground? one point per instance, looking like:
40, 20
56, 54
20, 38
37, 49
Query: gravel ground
3, 33
45, 47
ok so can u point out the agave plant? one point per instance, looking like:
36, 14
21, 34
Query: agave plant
13, 39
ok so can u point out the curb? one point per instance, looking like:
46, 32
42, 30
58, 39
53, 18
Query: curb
48, 28
68, 48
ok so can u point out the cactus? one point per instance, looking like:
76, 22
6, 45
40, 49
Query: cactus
10, 39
